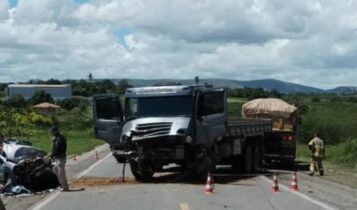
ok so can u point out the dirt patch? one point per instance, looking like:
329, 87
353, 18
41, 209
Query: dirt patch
102, 182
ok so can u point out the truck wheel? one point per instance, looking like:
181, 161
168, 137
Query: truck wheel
243, 163
256, 160
141, 170
248, 159
205, 166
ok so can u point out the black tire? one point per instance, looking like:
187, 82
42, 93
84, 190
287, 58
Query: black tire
243, 163
142, 171
256, 160
248, 160
207, 165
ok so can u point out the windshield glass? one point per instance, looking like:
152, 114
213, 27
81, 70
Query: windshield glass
157, 106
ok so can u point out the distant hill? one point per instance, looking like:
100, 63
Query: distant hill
267, 84
343, 90
283, 87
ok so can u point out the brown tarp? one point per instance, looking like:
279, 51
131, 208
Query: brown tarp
270, 106
282, 113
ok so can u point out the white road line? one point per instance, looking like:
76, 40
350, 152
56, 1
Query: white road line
301, 195
91, 167
52, 197
184, 206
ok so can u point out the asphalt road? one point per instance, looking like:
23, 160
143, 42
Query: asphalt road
104, 191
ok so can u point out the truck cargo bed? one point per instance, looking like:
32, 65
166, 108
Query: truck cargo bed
248, 127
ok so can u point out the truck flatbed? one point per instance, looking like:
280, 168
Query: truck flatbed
248, 127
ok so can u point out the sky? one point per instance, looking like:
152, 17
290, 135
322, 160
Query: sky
301, 41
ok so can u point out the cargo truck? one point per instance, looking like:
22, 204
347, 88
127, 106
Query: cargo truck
183, 125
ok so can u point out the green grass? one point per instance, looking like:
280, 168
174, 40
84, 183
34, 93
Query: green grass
342, 155
78, 141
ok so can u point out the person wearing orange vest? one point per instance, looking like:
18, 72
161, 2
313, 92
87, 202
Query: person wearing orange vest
317, 148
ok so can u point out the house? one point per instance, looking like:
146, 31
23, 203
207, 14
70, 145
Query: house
58, 92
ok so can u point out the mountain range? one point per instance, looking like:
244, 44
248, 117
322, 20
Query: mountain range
266, 84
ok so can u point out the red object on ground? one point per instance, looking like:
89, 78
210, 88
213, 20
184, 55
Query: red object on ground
74, 157
209, 185
275, 187
294, 185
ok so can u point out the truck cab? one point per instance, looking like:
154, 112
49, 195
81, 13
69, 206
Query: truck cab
161, 125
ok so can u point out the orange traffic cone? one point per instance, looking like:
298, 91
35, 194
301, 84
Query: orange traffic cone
294, 186
209, 185
96, 155
275, 187
74, 157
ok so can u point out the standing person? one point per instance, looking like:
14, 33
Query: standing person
317, 148
59, 156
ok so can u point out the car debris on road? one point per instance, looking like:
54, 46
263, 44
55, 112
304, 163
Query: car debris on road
25, 169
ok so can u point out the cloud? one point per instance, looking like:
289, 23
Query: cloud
310, 42
4, 7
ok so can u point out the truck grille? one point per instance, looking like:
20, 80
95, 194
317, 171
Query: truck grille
153, 129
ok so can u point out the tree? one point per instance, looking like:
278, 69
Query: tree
17, 101
122, 86
197, 80
40, 97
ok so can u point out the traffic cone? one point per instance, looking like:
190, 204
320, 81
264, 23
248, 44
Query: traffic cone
209, 184
96, 155
74, 157
294, 185
275, 187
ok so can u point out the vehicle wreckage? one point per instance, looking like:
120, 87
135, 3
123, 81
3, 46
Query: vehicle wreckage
26, 166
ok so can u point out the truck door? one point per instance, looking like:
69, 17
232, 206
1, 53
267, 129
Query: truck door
108, 118
211, 115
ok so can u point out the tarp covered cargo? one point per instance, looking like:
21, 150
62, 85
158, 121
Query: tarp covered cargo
282, 113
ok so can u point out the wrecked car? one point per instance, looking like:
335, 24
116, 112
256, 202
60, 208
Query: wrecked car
27, 166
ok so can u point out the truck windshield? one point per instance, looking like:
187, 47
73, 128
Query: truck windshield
157, 106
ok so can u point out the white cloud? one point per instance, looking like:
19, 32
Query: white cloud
4, 7
310, 42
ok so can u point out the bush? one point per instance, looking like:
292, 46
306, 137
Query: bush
70, 103
315, 99
17, 101
344, 154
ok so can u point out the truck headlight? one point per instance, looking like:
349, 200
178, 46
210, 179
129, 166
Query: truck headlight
188, 139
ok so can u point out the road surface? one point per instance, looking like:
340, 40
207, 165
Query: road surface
103, 190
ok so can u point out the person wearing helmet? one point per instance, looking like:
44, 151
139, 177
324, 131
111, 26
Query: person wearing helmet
317, 148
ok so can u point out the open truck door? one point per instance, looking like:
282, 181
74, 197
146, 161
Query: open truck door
108, 118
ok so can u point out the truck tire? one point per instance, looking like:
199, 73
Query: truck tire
142, 171
248, 160
243, 163
206, 165
256, 160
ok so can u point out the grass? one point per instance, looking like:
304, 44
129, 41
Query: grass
78, 141
342, 155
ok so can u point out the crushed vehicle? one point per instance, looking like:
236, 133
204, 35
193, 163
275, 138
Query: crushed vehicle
27, 166
185, 125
